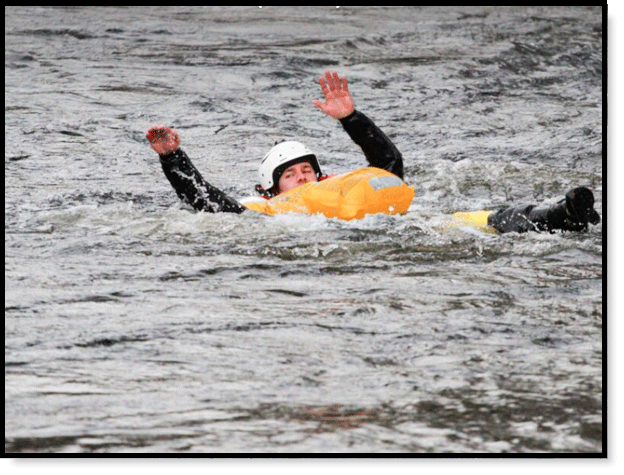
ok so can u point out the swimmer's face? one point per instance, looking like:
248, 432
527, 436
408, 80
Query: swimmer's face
296, 175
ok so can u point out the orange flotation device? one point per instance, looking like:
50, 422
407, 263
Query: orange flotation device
348, 196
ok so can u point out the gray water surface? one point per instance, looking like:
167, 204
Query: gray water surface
135, 325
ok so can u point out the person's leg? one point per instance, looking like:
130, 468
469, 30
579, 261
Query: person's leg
571, 214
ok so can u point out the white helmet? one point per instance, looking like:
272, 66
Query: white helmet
282, 156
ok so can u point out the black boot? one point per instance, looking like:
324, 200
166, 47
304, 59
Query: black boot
571, 214
580, 208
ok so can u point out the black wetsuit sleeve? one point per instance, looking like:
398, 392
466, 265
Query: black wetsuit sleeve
378, 149
191, 187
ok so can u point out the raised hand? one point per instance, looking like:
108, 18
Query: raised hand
338, 101
163, 140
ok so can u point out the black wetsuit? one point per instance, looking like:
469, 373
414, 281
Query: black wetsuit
191, 187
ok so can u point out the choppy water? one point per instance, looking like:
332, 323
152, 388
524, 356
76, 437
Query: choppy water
132, 324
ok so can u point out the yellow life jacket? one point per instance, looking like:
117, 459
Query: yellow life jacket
348, 196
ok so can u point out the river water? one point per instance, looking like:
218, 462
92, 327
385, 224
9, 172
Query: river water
135, 325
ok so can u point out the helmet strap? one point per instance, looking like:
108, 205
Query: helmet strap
266, 193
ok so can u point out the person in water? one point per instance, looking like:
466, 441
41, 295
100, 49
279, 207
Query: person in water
290, 164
